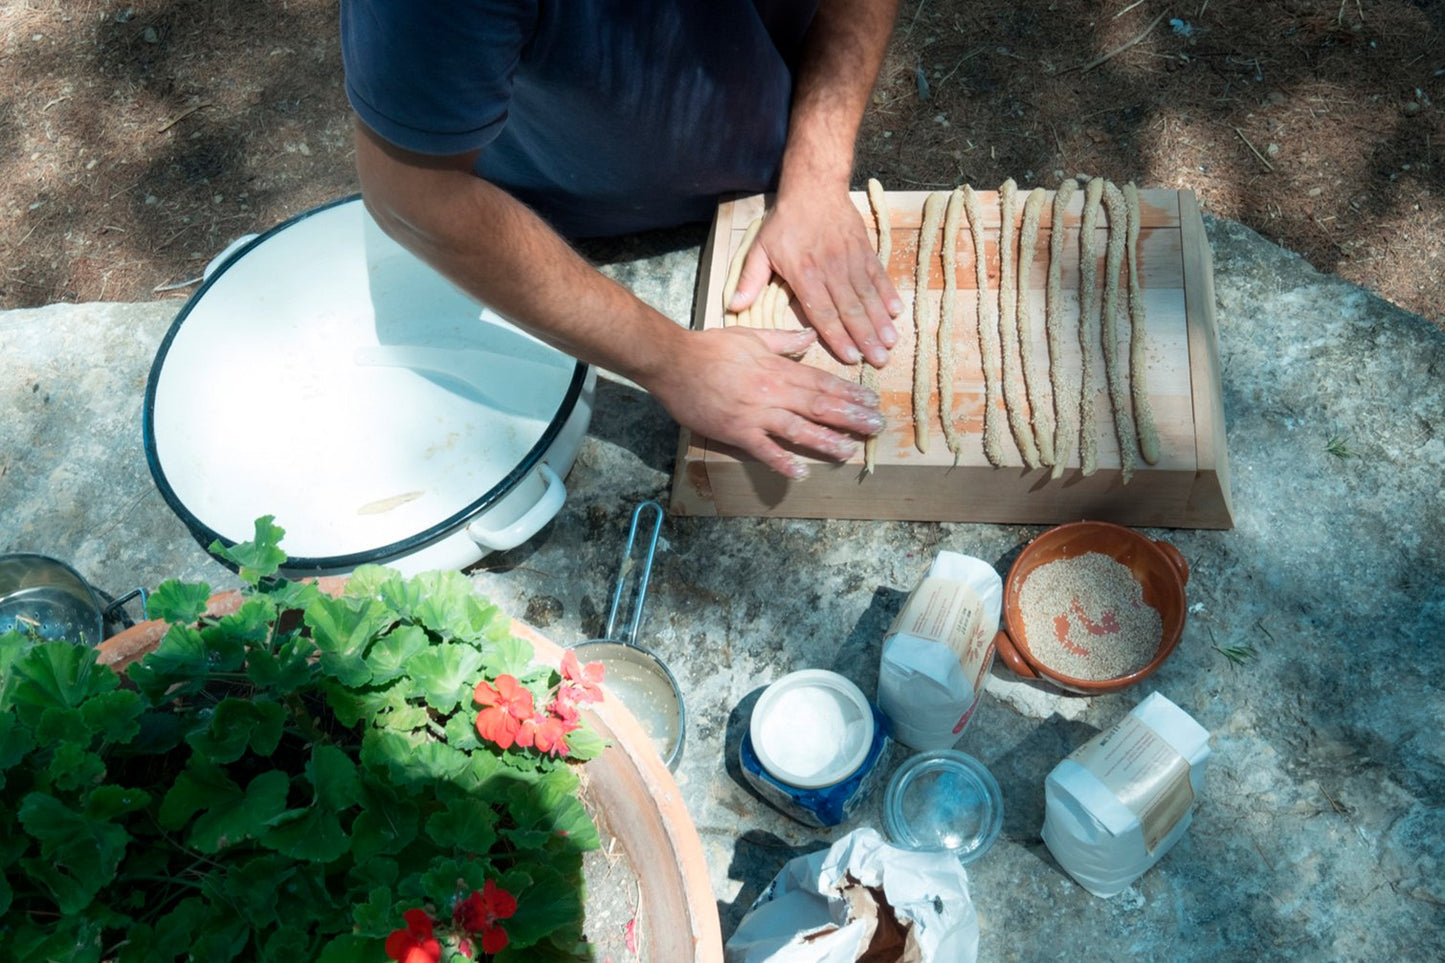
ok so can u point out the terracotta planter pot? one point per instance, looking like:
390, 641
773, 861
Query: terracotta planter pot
632, 794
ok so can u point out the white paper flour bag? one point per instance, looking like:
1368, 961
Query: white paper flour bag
1117, 804
938, 650
861, 896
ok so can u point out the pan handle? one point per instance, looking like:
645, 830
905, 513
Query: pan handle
532, 520
626, 570
115, 611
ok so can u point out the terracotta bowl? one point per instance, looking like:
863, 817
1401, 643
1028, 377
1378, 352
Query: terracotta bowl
1157, 565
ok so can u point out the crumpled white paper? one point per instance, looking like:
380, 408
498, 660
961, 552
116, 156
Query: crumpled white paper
817, 910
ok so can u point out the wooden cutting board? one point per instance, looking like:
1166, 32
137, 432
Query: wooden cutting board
1187, 488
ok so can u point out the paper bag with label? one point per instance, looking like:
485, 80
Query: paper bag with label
938, 651
861, 900
1118, 803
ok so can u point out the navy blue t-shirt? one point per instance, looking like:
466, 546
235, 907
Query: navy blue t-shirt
605, 116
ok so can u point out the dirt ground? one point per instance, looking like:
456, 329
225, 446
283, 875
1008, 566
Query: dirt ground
137, 141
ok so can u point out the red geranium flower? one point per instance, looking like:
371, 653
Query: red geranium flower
507, 705
582, 681
565, 711
548, 735
414, 944
480, 912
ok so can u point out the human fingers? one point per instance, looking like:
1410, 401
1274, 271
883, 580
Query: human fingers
810, 436
862, 305
826, 400
757, 270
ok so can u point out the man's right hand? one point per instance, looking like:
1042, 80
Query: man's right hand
741, 387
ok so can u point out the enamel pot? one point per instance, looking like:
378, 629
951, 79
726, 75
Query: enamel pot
325, 376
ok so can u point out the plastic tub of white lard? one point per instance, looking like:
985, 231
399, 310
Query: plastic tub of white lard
813, 742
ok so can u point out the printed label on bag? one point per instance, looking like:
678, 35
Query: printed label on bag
946, 611
1143, 771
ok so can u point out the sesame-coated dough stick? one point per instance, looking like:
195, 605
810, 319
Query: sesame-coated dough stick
867, 374
1041, 411
988, 349
1138, 338
1088, 327
1013, 376
925, 325
735, 270
947, 344
1116, 368
1063, 381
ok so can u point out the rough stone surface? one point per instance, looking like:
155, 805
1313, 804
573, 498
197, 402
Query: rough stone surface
1321, 832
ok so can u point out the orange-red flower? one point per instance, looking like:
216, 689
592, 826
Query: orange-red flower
415, 944
507, 705
480, 912
548, 734
582, 683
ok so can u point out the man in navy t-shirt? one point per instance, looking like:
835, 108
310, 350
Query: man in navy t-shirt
490, 132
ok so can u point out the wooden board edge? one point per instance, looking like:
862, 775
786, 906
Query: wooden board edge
1206, 382
691, 493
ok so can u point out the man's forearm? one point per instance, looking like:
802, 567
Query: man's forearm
841, 58
503, 254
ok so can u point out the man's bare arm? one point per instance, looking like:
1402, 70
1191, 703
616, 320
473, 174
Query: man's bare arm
814, 236
732, 385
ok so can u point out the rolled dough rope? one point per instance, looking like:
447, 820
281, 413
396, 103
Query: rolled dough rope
948, 346
988, 349
1139, 338
769, 306
1116, 368
1041, 411
1013, 377
1088, 326
925, 349
735, 270
867, 374
780, 308
1062, 382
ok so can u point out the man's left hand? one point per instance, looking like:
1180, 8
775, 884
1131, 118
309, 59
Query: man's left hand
819, 245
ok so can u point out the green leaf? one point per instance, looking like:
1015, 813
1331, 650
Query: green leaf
110, 801
335, 777
16, 742
287, 668
114, 716
389, 655
58, 724
174, 931
79, 854
446, 602
252, 623
467, 824
236, 724
6, 895
550, 905
510, 656
584, 743
176, 667
446, 674
73, 767
313, 834
253, 887
351, 948
372, 582
376, 917
411, 761
342, 628
228, 815
386, 824
258, 558
221, 938
57, 674
178, 602
69, 941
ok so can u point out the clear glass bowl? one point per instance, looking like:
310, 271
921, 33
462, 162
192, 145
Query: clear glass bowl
944, 800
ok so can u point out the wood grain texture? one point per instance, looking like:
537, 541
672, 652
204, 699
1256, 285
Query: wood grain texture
1188, 488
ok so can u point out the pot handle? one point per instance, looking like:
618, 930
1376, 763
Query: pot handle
1004, 645
532, 520
1175, 557
116, 610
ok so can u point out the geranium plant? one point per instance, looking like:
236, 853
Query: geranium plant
381, 774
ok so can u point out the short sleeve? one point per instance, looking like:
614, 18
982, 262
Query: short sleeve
435, 77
